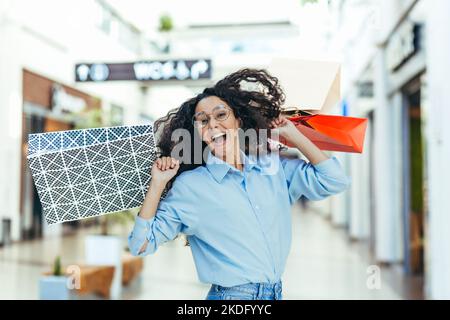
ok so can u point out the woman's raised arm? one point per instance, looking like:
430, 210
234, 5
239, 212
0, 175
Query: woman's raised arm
163, 170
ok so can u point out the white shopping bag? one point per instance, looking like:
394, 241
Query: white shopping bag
312, 86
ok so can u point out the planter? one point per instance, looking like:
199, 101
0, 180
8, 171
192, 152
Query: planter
54, 288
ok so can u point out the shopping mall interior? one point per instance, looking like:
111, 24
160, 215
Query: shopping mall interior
76, 65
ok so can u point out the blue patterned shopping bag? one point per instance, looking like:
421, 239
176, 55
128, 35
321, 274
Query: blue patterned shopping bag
90, 172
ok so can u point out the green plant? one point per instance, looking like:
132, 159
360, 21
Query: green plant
303, 2
57, 269
165, 23
91, 118
122, 218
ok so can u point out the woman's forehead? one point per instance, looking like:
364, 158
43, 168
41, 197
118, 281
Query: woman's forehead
209, 103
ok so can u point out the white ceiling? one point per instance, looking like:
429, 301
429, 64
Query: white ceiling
145, 13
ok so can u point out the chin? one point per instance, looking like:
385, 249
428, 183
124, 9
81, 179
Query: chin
221, 152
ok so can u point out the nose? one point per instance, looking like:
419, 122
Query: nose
212, 123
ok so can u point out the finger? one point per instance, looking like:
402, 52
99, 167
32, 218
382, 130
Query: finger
158, 163
165, 164
172, 163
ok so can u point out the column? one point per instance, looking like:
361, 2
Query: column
386, 214
437, 113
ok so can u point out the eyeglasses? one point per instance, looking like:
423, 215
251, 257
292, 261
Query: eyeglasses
219, 113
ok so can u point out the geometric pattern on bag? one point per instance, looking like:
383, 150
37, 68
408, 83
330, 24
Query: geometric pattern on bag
91, 172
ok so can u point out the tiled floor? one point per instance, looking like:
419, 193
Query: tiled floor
323, 264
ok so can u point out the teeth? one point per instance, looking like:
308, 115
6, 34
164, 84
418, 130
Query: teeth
217, 136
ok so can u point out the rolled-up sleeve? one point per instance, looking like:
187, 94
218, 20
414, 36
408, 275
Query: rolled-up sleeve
172, 218
315, 182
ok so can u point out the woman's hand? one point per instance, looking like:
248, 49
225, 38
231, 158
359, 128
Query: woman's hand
288, 131
164, 169
285, 128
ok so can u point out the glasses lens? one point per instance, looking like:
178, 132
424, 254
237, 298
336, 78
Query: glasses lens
221, 114
200, 120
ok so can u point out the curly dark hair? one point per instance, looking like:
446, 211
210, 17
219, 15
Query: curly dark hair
256, 107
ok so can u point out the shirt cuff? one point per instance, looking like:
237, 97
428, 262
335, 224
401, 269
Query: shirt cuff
142, 228
141, 232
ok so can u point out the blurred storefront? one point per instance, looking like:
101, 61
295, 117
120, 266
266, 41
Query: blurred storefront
406, 67
398, 183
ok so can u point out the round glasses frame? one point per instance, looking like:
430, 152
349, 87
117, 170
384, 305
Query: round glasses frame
221, 108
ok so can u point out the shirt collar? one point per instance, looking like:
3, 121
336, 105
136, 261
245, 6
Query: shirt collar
219, 169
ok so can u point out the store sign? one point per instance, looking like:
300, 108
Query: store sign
403, 45
178, 70
62, 102
365, 89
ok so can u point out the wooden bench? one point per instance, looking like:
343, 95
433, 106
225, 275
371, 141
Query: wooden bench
98, 279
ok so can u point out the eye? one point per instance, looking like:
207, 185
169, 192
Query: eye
201, 121
221, 115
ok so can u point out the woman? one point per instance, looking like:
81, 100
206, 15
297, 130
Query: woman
235, 205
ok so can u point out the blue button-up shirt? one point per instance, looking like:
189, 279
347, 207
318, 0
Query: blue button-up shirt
238, 223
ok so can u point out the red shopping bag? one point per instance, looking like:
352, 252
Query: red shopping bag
332, 133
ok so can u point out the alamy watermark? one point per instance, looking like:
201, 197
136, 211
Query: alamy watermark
73, 273
373, 281
189, 149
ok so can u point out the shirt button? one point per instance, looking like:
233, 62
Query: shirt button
257, 208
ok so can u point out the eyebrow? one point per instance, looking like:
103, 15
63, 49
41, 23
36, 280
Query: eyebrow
219, 105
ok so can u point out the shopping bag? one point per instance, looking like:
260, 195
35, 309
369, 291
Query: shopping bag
332, 133
313, 86
91, 172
